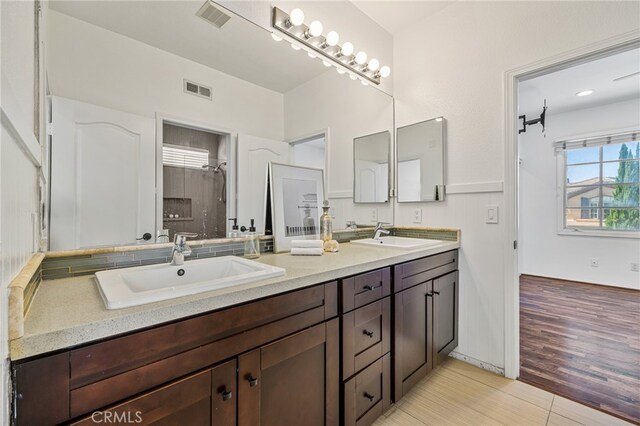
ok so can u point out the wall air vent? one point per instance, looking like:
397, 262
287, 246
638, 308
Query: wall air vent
197, 89
213, 15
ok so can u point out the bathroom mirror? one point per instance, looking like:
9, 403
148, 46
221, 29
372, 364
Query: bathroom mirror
166, 122
371, 157
420, 161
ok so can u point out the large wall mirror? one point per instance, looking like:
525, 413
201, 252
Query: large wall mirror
165, 121
420, 161
371, 158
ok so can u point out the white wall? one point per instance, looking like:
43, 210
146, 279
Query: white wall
546, 253
350, 110
452, 64
18, 175
94, 65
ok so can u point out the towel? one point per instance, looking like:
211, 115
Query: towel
301, 251
306, 243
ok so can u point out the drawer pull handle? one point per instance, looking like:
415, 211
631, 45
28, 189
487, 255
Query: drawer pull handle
371, 288
369, 396
429, 294
436, 292
226, 395
252, 381
367, 333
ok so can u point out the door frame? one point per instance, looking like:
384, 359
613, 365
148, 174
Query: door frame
314, 135
511, 271
231, 140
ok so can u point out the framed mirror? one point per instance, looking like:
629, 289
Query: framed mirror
371, 168
420, 161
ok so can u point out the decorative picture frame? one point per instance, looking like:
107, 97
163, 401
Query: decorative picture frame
296, 195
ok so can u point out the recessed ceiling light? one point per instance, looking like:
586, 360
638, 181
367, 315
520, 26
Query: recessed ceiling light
585, 93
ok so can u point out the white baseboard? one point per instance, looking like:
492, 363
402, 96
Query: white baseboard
477, 363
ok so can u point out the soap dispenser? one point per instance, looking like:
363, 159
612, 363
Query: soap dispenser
235, 231
326, 227
252, 243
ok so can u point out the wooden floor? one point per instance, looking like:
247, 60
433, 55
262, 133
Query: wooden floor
458, 393
582, 341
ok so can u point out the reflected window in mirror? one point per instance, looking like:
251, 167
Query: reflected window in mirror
371, 168
420, 161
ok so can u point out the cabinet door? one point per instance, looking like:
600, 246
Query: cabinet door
445, 315
413, 337
186, 401
224, 394
292, 381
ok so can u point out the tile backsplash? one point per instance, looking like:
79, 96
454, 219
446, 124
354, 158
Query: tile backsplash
55, 266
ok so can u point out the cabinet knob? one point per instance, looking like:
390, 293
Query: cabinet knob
367, 333
369, 396
252, 381
226, 395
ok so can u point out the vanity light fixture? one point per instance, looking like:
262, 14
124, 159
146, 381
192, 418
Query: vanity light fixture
276, 37
585, 93
327, 47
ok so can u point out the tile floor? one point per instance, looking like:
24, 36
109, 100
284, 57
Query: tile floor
458, 393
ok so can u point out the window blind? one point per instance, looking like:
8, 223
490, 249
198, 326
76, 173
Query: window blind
616, 138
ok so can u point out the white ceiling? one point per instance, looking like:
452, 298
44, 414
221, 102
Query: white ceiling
239, 48
394, 16
559, 88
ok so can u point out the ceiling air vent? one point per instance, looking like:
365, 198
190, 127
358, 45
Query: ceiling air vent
197, 89
213, 15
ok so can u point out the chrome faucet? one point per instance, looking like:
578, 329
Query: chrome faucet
180, 247
380, 231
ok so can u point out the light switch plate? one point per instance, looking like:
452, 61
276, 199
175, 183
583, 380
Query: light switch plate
491, 214
417, 215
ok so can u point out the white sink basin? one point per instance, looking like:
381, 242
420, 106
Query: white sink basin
121, 288
404, 243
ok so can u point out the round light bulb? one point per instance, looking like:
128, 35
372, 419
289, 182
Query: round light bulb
374, 64
326, 64
315, 28
364, 83
295, 47
275, 37
296, 17
385, 71
353, 77
340, 70
347, 49
311, 55
361, 58
332, 38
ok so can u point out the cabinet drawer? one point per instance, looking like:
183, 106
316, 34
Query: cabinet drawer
365, 336
187, 400
363, 289
418, 271
368, 394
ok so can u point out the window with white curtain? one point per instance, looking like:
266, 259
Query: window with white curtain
600, 185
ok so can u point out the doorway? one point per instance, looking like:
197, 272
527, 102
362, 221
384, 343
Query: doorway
576, 198
194, 180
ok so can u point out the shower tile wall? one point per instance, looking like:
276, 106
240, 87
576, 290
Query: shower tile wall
195, 195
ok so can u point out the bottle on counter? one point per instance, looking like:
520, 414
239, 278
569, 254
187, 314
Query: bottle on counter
235, 231
326, 226
252, 243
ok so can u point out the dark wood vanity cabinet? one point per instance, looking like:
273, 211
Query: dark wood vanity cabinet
195, 371
425, 317
330, 354
366, 346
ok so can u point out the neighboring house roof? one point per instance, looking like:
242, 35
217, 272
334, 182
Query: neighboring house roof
592, 181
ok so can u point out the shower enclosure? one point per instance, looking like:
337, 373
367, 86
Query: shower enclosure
194, 169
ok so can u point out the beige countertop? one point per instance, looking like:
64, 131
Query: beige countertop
70, 312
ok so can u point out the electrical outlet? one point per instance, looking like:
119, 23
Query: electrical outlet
594, 262
374, 215
491, 215
635, 266
417, 215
